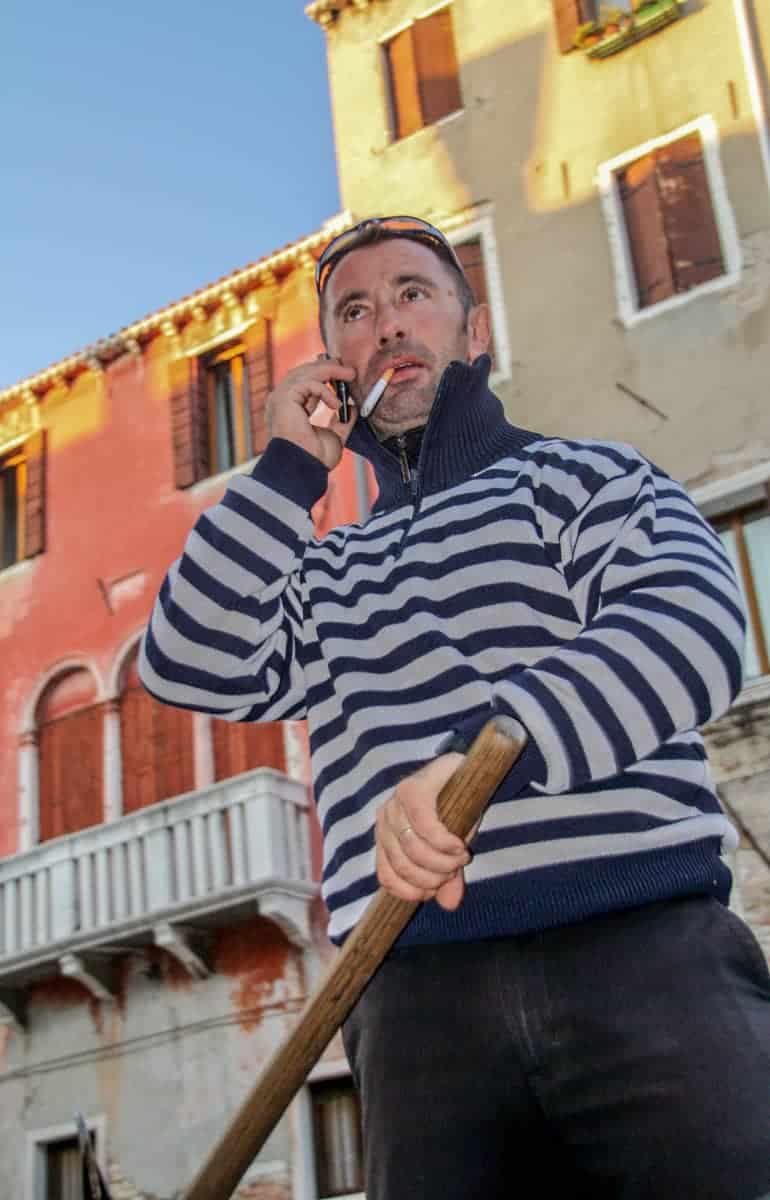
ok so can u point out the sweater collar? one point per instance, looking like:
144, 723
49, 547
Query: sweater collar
466, 432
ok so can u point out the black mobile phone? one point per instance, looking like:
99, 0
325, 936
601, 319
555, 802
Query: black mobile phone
343, 398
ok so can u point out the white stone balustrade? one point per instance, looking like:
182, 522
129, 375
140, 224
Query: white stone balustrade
189, 857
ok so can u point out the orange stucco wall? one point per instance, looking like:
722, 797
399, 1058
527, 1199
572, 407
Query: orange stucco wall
115, 521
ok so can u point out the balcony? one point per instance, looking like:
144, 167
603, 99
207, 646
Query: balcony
163, 876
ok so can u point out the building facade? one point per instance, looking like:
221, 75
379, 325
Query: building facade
608, 168
159, 919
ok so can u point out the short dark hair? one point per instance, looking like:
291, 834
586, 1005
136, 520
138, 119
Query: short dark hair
375, 234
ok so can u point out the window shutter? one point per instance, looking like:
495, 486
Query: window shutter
569, 15
471, 258
688, 215
34, 500
404, 87
245, 745
436, 63
137, 749
172, 741
189, 421
646, 232
71, 765
258, 358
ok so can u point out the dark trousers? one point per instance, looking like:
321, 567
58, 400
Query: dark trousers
624, 1057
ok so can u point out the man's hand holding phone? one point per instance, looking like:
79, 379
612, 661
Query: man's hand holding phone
291, 405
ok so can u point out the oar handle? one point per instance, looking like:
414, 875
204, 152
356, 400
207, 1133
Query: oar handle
461, 802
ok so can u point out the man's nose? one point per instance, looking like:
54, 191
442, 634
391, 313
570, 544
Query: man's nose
390, 325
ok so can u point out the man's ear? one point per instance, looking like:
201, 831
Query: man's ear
479, 331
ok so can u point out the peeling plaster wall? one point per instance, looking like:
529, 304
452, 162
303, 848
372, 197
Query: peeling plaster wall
535, 127
167, 1065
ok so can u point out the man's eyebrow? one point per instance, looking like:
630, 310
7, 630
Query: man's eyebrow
399, 281
346, 297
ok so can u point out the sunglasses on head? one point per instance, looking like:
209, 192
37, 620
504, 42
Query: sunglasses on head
408, 227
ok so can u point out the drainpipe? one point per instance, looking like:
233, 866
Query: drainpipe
756, 75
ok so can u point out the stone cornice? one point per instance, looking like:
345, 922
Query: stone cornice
224, 292
325, 12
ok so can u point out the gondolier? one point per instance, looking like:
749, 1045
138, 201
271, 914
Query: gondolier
575, 1000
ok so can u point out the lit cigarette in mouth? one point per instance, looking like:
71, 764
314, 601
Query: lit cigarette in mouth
375, 395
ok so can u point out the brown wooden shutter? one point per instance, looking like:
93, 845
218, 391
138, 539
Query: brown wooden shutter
688, 216
71, 754
404, 86
569, 15
436, 63
245, 745
157, 748
189, 421
471, 258
258, 359
643, 213
35, 496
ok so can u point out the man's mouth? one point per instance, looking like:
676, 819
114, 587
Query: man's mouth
405, 369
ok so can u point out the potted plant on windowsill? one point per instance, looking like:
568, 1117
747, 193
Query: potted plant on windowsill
647, 18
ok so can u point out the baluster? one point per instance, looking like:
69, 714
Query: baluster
120, 897
103, 915
137, 900
11, 893
42, 879
182, 860
238, 843
216, 834
26, 912
200, 873
86, 891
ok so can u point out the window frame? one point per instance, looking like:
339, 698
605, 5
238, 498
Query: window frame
38, 1142
629, 312
304, 1173
394, 138
238, 404
717, 502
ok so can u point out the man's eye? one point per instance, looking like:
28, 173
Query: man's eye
352, 312
413, 292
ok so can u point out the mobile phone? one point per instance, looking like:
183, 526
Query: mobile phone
343, 399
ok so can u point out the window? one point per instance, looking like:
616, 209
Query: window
421, 66
244, 745
21, 502
227, 388
745, 536
63, 1171
218, 405
471, 256
338, 1139
156, 743
670, 221
70, 755
569, 15
672, 231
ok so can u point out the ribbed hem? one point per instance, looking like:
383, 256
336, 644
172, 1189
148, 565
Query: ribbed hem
292, 472
531, 901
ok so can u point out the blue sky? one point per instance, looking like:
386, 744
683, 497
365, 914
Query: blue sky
148, 150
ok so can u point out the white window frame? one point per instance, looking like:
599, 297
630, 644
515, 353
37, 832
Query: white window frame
382, 42
629, 311
38, 1141
719, 499
303, 1176
480, 224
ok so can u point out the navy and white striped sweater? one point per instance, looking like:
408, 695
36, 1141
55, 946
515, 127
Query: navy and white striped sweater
571, 585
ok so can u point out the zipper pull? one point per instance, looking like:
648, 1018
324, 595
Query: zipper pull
406, 471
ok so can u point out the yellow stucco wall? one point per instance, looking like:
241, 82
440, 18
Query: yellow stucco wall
535, 126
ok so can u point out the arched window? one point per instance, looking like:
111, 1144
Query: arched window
244, 745
156, 744
70, 754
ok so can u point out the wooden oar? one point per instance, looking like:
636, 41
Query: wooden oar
460, 804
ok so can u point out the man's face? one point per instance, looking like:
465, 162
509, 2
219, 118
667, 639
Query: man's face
395, 303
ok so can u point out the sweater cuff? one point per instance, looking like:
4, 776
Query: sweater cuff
530, 767
292, 472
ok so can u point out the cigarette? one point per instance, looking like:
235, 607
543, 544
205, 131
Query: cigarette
375, 395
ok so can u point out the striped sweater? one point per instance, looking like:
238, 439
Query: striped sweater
571, 585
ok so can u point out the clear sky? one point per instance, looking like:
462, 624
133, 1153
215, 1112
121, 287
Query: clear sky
147, 150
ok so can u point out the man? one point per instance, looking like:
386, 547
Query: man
575, 1003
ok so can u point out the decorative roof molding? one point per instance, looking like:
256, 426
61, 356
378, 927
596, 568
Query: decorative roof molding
325, 12
128, 339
